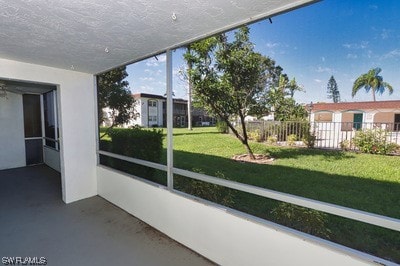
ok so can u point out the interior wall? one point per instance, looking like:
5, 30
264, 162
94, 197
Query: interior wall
222, 237
12, 143
76, 97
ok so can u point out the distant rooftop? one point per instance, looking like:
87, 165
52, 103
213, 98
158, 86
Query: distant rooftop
356, 105
155, 96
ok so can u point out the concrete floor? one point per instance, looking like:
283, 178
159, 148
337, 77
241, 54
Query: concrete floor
35, 222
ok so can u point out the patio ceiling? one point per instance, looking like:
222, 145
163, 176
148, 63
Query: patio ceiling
93, 36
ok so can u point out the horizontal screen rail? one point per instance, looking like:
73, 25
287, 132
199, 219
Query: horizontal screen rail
362, 216
354, 214
134, 160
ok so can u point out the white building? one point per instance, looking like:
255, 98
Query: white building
148, 110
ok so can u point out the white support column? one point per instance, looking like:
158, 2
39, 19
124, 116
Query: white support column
170, 162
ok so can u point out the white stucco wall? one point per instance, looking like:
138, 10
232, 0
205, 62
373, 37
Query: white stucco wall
222, 237
12, 143
76, 96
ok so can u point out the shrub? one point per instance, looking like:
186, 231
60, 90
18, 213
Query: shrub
272, 140
291, 140
345, 145
373, 141
309, 140
205, 190
303, 219
255, 135
136, 143
222, 127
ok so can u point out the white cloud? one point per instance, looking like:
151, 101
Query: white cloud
385, 34
361, 45
351, 56
392, 54
373, 7
271, 45
320, 69
147, 79
318, 80
155, 61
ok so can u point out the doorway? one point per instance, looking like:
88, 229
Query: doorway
357, 121
32, 129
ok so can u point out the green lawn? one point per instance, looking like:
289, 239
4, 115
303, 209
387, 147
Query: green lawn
362, 181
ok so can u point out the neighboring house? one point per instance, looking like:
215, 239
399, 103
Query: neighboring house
151, 110
353, 115
333, 123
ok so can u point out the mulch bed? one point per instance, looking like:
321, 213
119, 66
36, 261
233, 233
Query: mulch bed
259, 159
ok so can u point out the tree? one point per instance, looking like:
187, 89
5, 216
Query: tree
285, 108
332, 90
114, 93
229, 79
371, 81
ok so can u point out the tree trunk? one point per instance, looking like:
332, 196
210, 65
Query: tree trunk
245, 137
249, 151
242, 140
373, 95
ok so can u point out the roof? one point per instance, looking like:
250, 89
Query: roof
155, 96
94, 36
356, 106
148, 95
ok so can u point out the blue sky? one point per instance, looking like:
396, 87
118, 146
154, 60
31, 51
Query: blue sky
332, 37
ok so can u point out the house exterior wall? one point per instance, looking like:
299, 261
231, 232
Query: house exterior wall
384, 117
12, 143
221, 236
323, 117
77, 117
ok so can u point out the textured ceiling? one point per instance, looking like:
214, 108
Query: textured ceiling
96, 35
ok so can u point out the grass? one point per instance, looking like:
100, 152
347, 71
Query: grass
361, 181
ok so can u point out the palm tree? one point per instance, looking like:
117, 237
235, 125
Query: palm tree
371, 81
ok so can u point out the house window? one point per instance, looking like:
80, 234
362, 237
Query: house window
152, 118
152, 103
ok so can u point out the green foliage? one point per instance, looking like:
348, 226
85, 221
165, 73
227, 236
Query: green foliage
136, 143
272, 140
205, 190
373, 141
371, 81
222, 127
303, 219
229, 78
291, 139
113, 92
346, 145
309, 140
332, 90
256, 135
285, 108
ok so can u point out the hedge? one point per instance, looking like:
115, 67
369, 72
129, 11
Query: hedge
136, 143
